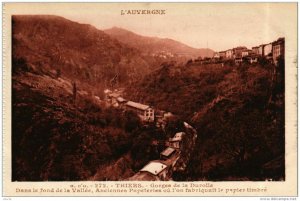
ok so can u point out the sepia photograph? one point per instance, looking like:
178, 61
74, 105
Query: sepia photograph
150, 92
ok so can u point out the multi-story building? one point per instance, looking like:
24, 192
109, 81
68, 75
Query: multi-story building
229, 54
261, 50
278, 49
176, 141
222, 54
255, 50
246, 53
145, 112
268, 49
237, 52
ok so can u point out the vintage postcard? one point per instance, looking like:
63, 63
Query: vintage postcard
150, 99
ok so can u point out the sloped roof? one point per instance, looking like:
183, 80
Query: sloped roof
177, 137
144, 176
187, 125
120, 99
106, 91
137, 105
154, 167
168, 151
115, 95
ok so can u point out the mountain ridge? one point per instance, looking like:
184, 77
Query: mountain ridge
81, 52
152, 45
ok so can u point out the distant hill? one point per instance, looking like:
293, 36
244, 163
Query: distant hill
155, 45
61, 132
55, 45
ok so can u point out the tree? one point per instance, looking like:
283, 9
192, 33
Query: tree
74, 91
58, 73
277, 76
19, 64
131, 121
140, 150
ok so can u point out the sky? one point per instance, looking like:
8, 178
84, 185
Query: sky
218, 26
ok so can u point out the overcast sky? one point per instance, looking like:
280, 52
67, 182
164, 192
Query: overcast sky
218, 26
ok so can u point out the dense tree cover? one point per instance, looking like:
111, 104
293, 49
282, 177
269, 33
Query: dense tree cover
54, 45
182, 90
55, 139
238, 112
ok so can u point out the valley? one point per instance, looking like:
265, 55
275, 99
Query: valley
65, 129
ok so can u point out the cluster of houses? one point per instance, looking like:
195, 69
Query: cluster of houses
163, 54
146, 113
173, 159
162, 169
270, 51
114, 98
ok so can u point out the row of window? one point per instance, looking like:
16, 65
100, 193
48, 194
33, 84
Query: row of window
149, 114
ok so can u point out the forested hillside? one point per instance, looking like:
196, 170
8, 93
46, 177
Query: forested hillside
57, 138
237, 111
51, 44
62, 129
155, 45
